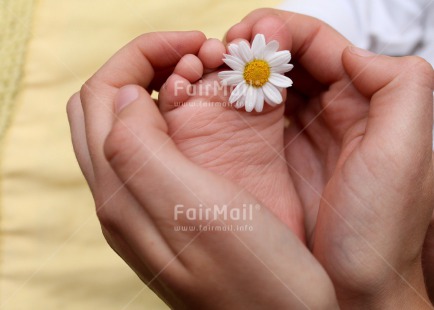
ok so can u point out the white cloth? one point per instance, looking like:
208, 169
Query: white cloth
390, 27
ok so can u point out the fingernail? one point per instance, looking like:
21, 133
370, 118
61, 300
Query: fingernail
125, 96
361, 52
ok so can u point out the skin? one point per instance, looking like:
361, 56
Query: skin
137, 175
359, 154
215, 135
358, 203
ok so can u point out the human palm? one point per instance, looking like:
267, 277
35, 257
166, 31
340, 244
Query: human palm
355, 179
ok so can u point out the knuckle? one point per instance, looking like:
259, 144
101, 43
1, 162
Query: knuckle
263, 13
271, 19
419, 63
85, 90
108, 218
115, 141
121, 145
258, 11
110, 214
420, 70
73, 103
89, 90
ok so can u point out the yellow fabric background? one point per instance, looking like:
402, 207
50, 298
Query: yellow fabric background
52, 253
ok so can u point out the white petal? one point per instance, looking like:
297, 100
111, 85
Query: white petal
234, 58
282, 68
233, 80
234, 65
226, 74
272, 104
258, 45
280, 80
272, 94
240, 103
239, 91
233, 49
251, 96
279, 58
259, 101
269, 102
270, 49
245, 52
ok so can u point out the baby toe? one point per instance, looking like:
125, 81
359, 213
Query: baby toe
174, 92
190, 68
211, 53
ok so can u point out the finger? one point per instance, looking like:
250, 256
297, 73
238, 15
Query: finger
396, 145
134, 64
130, 231
315, 45
237, 31
273, 28
401, 91
129, 255
138, 60
78, 136
138, 227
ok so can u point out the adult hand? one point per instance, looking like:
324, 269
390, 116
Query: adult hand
358, 149
140, 182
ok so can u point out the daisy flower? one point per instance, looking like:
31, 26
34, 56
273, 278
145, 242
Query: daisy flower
258, 73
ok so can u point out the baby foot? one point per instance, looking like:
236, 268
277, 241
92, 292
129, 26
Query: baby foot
244, 147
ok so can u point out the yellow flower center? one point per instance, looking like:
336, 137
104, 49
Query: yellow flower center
256, 73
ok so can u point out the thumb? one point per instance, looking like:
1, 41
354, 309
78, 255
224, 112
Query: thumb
400, 90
